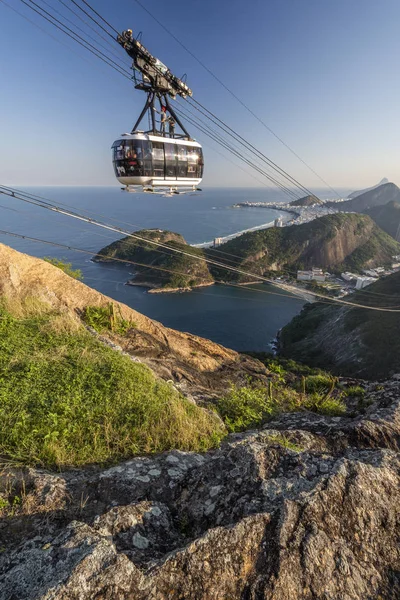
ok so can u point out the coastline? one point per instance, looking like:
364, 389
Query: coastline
153, 288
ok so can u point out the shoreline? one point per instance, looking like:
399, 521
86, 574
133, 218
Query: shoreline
152, 288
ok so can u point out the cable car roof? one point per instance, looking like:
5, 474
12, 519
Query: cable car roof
158, 138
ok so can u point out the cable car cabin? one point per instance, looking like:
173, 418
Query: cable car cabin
156, 161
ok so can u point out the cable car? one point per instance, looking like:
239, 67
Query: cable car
152, 161
156, 158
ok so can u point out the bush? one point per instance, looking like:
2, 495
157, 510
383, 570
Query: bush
106, 318
65, 266
67, 400
355, 390
245, 407
318, 383
325, 405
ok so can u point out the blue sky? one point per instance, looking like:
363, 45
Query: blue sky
322, 74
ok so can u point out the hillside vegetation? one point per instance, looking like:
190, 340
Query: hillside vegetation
349, 340
67, 399
336, 242
387, 217
169, 269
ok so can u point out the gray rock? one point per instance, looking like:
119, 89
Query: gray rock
252, 520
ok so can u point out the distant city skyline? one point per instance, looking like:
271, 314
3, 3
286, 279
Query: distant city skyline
323, 76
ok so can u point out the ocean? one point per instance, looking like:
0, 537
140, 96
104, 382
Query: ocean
240, 318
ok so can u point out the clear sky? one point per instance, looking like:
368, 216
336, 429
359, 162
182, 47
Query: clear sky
323, 74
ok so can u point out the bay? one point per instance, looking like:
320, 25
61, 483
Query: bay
245, 318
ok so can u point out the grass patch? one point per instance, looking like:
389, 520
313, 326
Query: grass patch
251, 406
355, 390
284, 441
106, 318
65, 266
66, 399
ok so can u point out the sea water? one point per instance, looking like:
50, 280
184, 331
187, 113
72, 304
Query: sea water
245, 318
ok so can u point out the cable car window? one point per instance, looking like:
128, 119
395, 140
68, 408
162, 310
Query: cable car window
170, 160
182, 161
147, 159
193, 158
158, 159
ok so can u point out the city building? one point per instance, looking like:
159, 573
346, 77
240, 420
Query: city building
313, 275
349, 276
362, 282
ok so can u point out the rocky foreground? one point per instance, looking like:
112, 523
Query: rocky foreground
305, 509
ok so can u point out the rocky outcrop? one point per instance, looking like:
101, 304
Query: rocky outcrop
305, 509
198, 366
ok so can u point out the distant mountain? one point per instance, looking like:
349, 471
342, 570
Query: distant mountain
359, 192
350, 341
306, 201
387, 217
169, 270
383, 194
339, 241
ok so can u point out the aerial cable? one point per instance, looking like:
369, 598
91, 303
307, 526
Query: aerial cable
78, 16
77, 40
94, 20
210, 115
293, 289
235, 96
57, 39
100, 17
75, 34
89, 36
217, 137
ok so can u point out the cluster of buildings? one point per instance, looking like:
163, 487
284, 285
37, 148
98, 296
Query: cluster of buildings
312, 275
351, 281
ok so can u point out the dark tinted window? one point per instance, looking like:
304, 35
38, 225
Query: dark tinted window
182, 161
158, 159
170, 160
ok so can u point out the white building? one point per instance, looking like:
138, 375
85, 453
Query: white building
362, 282
349, 276
278, 222
313, 275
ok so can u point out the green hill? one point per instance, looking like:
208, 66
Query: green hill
157, 267
336, 242
387, 217
306, 201
348, 340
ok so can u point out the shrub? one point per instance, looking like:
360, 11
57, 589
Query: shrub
67, 399
325, 405
318, 383
105, 318
355, 390
65, 266
245, 407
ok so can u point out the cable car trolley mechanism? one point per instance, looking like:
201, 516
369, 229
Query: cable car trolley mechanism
160, 157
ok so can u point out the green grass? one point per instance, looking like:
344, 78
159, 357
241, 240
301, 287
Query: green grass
65, 266
253, 405
106, 318
68, 400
